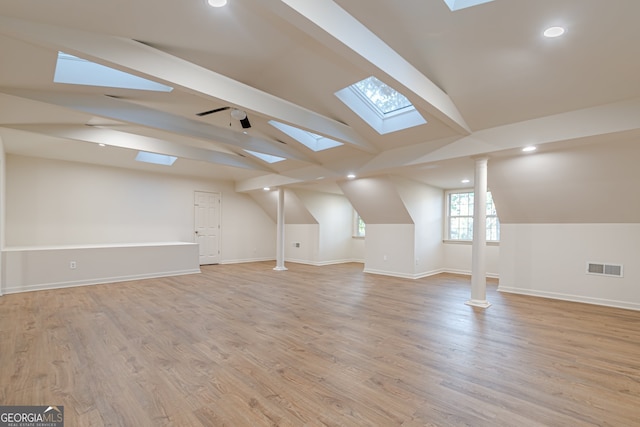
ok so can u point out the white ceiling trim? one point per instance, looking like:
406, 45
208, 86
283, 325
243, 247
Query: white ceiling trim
145, 61
331, 18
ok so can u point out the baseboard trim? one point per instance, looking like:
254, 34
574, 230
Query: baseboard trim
96, 281
468, 273
404, 276
388, 273
570, 297
322, 263
426, 274
294, 261
244, 261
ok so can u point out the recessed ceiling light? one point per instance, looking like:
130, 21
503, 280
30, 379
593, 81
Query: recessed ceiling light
465, 181
529, 149
102, 145
553, 32
266, 188
217, 3
351, 176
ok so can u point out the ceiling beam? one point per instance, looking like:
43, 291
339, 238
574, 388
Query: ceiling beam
127, 112
585, 123
348, 31
591, 122
145, 61
119, 139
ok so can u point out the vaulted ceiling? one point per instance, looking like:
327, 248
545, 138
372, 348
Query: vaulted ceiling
484, 77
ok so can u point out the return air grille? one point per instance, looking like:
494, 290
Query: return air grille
602, 269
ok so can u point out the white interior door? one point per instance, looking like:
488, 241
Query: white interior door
207, 226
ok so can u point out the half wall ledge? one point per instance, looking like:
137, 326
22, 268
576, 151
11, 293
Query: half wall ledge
39, 267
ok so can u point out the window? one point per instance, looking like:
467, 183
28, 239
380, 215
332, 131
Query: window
73, 70
269, 158
384, 99
459, 224
462, 4
358, 225
310, 140
155, 158
380, 106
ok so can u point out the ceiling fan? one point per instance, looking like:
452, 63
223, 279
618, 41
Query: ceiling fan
239, 115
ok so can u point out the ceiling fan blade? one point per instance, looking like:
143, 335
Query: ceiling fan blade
206, 113
245, 123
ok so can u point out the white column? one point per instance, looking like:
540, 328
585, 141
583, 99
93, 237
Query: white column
478, 262
280, 233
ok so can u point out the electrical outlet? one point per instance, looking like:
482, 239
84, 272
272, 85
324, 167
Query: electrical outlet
72, 265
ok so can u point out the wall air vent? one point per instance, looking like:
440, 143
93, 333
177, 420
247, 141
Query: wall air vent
602, 269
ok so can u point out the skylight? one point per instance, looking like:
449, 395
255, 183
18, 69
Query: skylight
383, 98
156, 159
310, 140
382, 107
463, 4
269, 158
77, 71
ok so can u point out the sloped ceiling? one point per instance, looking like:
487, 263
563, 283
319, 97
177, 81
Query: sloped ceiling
377, 200
295, 211
594, 184
484, 77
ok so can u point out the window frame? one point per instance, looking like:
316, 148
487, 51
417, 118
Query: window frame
447, 218
382, 123
356, 233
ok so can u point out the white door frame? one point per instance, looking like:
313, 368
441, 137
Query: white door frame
207, 212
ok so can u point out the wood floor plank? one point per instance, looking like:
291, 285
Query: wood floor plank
244, 345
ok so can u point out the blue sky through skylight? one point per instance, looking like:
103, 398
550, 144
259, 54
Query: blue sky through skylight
383, 97
77, 71
310, 140
380, 106
155, 158
269, 158
463, 4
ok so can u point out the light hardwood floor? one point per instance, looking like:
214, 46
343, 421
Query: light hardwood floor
243, 345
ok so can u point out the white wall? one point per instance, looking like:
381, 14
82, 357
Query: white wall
334, 214
425, 205
57, 203
358, 249
306, 235
389, 250
31, 269
549, 260
457, 259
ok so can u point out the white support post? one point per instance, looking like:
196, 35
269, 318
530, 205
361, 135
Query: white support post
478, 263
280, 233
